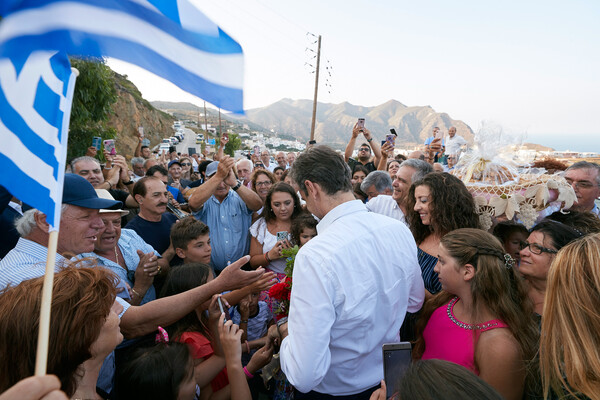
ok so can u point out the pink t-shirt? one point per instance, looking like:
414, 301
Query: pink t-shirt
447, 338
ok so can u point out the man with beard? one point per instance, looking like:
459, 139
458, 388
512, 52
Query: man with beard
364, 151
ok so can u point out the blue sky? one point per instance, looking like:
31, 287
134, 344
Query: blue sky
531, 66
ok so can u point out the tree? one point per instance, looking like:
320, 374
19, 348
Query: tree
93, 99
235, 143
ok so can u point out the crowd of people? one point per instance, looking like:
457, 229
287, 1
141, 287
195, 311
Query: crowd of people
164, 268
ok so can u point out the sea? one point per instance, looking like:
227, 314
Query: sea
574, 142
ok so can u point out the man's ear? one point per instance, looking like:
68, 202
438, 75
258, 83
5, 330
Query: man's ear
312, 189
40, 222
468, 272
138, 198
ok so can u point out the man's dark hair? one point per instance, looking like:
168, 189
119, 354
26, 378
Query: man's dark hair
140, 186
186, 230
157, 168
322, 165
584, 221
144, 147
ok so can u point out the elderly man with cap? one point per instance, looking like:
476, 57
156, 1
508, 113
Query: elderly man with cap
226, 206
80, 223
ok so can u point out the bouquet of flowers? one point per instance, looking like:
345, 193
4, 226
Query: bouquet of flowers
282, 291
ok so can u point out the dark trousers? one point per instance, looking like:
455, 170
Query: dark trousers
366, 395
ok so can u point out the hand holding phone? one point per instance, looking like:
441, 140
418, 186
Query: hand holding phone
109, 146
282, 236
223, 309
361, 123
97, 142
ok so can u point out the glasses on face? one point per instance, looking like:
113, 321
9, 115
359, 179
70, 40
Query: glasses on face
259, 166
185, 164
536, 248
266, 183
580, 184
365, 149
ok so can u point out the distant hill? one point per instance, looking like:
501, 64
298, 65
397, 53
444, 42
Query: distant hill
335, 121
536, 147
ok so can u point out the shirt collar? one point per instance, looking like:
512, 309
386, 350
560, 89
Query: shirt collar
346, 208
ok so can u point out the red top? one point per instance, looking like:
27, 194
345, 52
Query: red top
447, 338
200, 347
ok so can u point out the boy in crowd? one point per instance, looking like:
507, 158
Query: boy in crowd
191, 241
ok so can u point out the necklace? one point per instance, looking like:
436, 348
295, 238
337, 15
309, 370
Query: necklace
450, 312
117, 255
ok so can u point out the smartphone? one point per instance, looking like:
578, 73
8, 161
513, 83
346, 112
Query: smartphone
223, 309
141, 131
257, 151
361, 123
396, 360
283, 235
312, 142
191, 150
97, 142
109, 146
391, 139
226, 136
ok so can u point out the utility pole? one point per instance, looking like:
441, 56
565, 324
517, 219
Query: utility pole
205, 122
219, 122
314, 112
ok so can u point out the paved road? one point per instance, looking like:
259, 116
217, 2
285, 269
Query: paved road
189, 140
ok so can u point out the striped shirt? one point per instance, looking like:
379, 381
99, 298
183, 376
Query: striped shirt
427, 263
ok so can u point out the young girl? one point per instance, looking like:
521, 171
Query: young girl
482, 317
162, 372
199, 331
304, 228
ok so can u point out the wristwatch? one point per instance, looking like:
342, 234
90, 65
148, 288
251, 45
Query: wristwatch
236, 187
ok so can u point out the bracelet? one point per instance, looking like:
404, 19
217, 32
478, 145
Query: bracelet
370, 140
244, 321
267, 257
109, 185
136, 293
128, 183
247, 347
248, 374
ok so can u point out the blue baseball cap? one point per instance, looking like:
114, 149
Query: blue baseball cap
211, 169
77, 191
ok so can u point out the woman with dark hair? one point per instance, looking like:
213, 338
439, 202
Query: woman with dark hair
278, 173
482, 318
84, 329
261, 182
358, 174
437, 204
187, 169
537, 254
270, 233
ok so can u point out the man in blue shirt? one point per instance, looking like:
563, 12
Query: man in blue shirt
226, 206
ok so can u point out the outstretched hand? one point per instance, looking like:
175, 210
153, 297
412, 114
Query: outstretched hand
233, 277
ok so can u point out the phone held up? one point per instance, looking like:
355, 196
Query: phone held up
283, 235
109, 146
224, 310
390, 138
396, 360
360, 124
97, 142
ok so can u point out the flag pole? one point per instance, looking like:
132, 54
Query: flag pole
41, 357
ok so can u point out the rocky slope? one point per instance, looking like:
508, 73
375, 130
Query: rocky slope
131, 111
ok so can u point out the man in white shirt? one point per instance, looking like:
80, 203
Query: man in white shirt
394, 206
454, 142
350, 293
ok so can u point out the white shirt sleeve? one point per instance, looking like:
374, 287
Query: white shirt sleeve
305, 354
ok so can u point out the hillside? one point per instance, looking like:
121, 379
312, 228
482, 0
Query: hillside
335, 121
131, 111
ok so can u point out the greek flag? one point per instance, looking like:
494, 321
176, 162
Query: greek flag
170, 38
35, 105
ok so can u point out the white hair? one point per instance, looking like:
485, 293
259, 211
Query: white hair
246, 160
26, 223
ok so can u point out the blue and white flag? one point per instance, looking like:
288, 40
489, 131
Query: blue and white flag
170, 38
36, 94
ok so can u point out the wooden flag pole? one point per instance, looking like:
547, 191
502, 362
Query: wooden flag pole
41, 358
314, 110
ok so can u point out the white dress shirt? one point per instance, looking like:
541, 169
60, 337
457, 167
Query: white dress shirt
453, 144
386, 205
352, 285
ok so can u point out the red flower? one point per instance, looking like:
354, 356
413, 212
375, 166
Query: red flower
279, 291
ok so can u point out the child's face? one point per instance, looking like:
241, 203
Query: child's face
252, 299
306, 235
512, 244
187, 389
198, 250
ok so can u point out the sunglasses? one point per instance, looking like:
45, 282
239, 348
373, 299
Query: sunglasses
185, 164
536, 248
365, 149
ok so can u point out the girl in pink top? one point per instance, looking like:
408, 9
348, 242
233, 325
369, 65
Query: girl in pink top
482, 317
